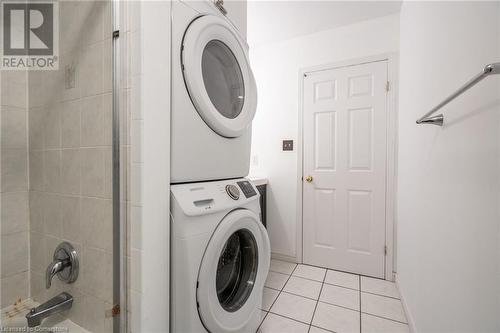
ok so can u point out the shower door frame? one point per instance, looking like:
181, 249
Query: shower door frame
119, 311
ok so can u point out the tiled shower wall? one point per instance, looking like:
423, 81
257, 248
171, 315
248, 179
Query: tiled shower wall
70, 161
14, 188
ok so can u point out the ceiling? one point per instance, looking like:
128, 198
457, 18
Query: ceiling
273, 21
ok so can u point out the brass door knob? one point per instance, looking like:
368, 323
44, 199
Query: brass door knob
309, 179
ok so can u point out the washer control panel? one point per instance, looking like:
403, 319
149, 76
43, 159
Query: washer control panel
233, 191
247, 188
203, 198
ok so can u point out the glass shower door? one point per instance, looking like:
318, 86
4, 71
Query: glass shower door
61, 246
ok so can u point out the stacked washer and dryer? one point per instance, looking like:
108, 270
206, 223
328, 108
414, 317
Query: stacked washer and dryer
220, 251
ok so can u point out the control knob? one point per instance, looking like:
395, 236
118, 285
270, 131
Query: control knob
233, 191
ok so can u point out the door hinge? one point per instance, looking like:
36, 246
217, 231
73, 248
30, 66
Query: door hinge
385, 250
116, 33
388, 86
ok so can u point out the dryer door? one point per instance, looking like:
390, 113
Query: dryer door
232, 274
218, 76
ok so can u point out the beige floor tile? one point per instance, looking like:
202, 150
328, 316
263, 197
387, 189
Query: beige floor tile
345, 297
372, 324
379, 287
383, 306
294, 307
342, 279
268, 298
263, 315
314, 329
276, 280
303, 287
280, 266
277, 324
336, 319
310, 272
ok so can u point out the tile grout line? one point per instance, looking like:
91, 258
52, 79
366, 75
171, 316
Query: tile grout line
321, 328
331, 284
270, 307
307, 297
360, 328
279, 293
335, 305
290, 318
338, 306
367, 292
336, 270
339, 286
262, 320
386, 318
317, 302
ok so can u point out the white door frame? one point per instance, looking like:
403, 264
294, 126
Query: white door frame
390, 223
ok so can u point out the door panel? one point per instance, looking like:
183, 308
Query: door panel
325, 90
324, 140
360, 139
359, 220
361, 85
345, 153
324, 203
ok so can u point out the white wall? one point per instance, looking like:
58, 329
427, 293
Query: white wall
237, 13
299, 18
276, 67
149, 157
448, 221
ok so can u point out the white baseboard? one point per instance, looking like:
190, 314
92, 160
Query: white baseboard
409, 317
283, 257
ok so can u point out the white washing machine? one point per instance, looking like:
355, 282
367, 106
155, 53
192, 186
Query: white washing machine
220, 257
214, 96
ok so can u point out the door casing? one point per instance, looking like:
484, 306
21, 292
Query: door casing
391, 185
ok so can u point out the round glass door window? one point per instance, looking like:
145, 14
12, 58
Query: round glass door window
237, 270
223, 79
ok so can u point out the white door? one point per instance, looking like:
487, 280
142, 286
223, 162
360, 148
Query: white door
345, 168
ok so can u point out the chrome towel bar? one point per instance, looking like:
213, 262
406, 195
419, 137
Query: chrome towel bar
438, 120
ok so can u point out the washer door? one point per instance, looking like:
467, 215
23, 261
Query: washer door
233, 272
218, 76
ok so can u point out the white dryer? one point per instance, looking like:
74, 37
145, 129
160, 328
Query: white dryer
220, 256
214, 96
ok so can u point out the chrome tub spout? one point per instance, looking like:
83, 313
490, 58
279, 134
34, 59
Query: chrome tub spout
60, 303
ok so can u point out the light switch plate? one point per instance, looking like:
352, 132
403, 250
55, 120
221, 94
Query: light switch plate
287, 145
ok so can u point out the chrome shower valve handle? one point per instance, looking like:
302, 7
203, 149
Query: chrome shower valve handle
65, 265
